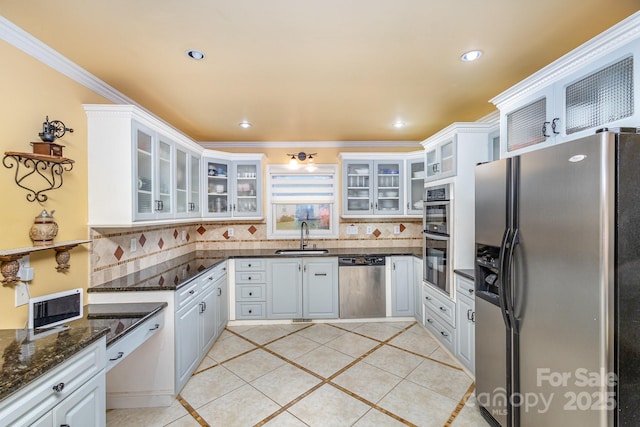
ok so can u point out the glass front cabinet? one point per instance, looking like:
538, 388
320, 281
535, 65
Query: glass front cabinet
154, 190
373, 187
233, 188
415, 183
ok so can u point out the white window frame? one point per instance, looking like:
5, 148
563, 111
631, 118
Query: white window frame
274, 199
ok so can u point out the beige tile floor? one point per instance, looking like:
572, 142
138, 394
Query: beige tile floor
343, 374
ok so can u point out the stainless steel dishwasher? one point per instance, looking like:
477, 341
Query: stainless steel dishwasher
362, 287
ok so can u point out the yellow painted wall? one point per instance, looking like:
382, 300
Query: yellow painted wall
30, 91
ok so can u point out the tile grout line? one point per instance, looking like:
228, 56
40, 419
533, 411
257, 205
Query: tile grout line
328, 381
192, 411
460, 405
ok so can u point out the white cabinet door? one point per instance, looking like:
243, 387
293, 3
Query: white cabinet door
320, 288
388, 187
415, 184
222, 304
144, 172
466, 331
441, 160
218, 187
417, 284
284, 288
247, 179
85, 406
194, 186
357, 196
402, 286
164, 174
208, 327
182, 165
187, 341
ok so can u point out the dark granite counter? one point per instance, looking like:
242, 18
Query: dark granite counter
28, 353
171, 275
467, 273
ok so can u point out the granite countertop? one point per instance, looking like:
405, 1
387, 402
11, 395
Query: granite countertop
28, 353
172, 274
468, 273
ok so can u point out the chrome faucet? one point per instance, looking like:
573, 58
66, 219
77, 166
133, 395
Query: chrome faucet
302, 243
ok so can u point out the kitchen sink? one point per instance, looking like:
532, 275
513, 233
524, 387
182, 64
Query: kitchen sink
301, 251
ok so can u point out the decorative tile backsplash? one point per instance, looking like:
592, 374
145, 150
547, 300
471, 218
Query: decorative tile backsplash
119, 252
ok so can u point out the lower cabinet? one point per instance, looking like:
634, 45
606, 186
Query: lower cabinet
439, 316
466, 336
200, 318
417, 288
251, 288
72, 394
302, 288
402, 286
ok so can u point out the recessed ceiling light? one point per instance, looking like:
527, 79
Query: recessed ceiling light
244, 124
399, 124
472, 55
195, 54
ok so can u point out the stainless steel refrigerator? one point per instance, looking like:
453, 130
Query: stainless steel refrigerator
558, 285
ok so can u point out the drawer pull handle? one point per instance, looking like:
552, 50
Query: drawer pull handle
443, 309
210, 277
119, 356
156, 326
321, 274
192, 291
429, 321
65, 425
58, 387
219, 292
444, 334
427, 298
470, 291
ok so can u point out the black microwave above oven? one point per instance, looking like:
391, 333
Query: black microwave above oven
437, 209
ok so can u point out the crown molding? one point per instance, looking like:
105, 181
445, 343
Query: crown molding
308, 144
620, 34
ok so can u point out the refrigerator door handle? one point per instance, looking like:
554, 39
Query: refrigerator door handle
509, 285
502, 278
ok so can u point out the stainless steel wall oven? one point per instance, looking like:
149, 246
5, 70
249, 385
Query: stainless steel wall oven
436, 236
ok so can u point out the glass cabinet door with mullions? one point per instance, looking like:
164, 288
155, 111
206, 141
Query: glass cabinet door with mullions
218, 189
359, 197
247, 184
388, 188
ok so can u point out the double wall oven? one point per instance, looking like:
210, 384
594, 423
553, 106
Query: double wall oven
437, 229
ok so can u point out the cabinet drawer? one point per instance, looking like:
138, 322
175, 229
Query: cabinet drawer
250, 292
465, 287
120, 349
441, 330
34, 400
250, 264
186, 294
441, 305
254, 310
251, 277
219, 270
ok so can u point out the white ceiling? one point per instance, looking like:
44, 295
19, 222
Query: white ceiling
313, 70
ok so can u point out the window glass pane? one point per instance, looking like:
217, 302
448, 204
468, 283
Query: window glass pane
290, 216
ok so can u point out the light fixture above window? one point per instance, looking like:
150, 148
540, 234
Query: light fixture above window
301, 157
244, 124
472, 55
195, 54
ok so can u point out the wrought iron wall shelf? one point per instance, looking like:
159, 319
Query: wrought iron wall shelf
9, 264
48, 169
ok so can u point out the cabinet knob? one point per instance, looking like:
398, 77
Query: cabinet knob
443, 309
58, 387
250, 311
444, 334
250, 294
192, 291
427, 298
249, 265
429, 321
249, 278
470, 291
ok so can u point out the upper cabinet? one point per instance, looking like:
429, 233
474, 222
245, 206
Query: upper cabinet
234, 186
415, 178
140, 169
441, 160
372, 187
589, 88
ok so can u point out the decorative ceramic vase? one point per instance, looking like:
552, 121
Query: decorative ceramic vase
44, 229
